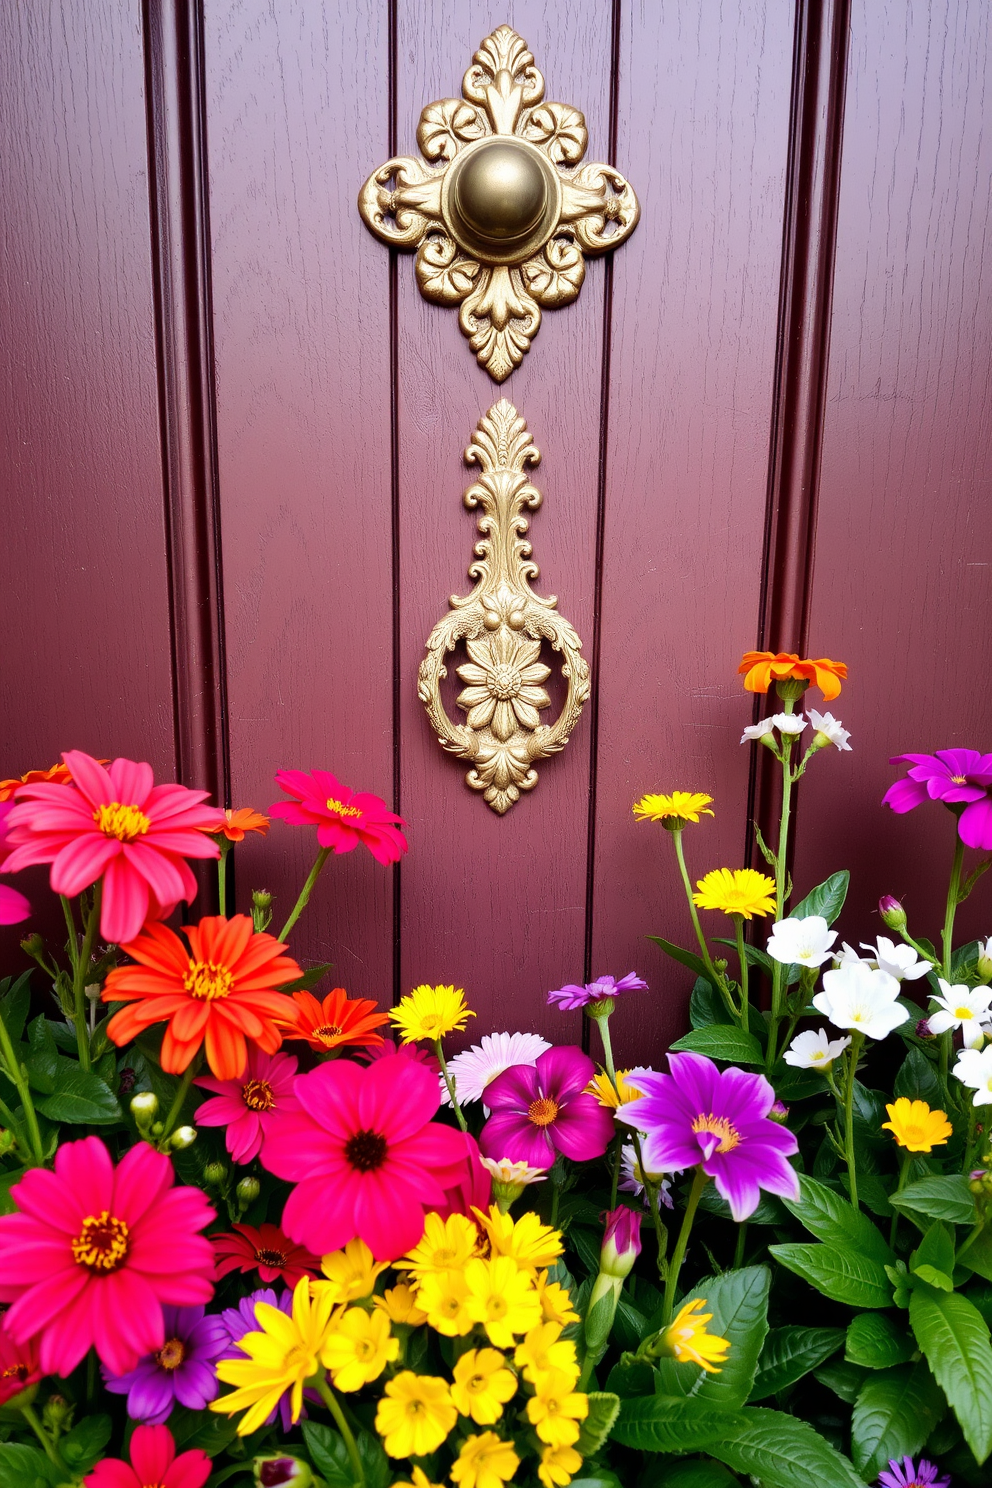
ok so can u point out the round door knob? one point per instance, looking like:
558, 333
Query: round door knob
501, 192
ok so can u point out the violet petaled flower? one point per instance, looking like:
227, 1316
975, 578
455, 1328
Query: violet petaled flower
182, 1369
958, 777
604, 988
542, 1109
238, 1321
718, 1120
905, 1475
621, 1241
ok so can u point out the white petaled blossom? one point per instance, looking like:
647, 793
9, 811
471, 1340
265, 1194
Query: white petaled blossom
789, 723
961, 1007
862, 998
830, 727
898, 959
633, 1178
804, 942
496, 1052
756, 731
811, 1050
974, 1069
517, 1174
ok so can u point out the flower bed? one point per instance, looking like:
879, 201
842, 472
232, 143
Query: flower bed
254, 1228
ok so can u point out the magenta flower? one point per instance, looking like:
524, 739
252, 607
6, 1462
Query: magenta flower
908, 1476
343, 817
542, 1109
717, 1120
572, 996
13, 906
182, 1369
249, 1105
621, 1241
955, 776
154, 1464
473, 1187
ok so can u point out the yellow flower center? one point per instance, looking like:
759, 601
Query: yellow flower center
718, 1126
340, 809
415, 1408
123, 822
450, 1306
299, 1358
963, 1013
959, 779
257, 1095
542, 1112
496, 1307
206, 981
171, 1354
364, 1349
504, 682
102, 1243
328, 1031
431, 1022
477, 1384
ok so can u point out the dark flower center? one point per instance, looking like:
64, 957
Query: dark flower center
257, 1095
542, 1112
366, 1151
16, 1371
328, 1031
171, 1354
271, 1257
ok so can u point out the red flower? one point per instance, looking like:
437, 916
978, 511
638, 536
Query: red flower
265, 1250
335, 1021
19, 1365
343, 817
154, 1464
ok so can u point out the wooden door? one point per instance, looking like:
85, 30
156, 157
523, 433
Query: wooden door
234, 433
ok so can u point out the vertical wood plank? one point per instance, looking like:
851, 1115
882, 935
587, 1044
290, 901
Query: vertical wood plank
703, 134
297, 115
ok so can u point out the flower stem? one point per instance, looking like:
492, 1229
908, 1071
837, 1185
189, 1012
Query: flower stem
970, 1240
953, 892
857, 1039
739, 1247
225, 848
653, 1191
714, 975
330, 1400
305, 892
905, 1160
602, 1022
19, 1080
742, 959
80, 969
617, 1158
180, 1096
51, 1450
449, 1082
781, 856
699, 1182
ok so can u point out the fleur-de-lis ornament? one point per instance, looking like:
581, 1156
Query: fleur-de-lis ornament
500, 210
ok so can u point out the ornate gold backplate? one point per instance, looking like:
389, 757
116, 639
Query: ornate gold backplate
503, 623
500, 210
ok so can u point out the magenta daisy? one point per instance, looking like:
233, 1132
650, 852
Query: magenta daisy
959, 778
604, 988
905, 1475
542, 1109
343, 817
700, 1116
249, 1105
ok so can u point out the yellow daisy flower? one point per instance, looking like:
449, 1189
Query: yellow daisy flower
350, 1273
430, 1013
601, 1086
420, 1480
556, 1303
443, 1296
485, 1461
687, 1340
556, 1409
544, 1350
675, 810
482, 1385
558, 1466
502, 1298
281, 1355
531, 1244
916, 1127
359, 1348
445, 1246
399, 1303
738, 891
415, 1414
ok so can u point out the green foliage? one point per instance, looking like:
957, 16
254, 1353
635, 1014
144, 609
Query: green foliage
832, 1219
722, 1042
876, 1341
827, 899
79, 1097
947, 1197
895, 1412
85, 1442
604, 1408
790, 1353
26, 1467
933, 1259
954, 1338
842, 1275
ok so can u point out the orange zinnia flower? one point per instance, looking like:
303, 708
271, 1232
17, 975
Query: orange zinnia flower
57, 775
240, 821
765, 667
335, 1021
218, 993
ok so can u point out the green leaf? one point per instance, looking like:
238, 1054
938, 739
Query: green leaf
845, 1380
631, 1377
662, 1423
697, 1474
309, 979
83, 1444
893, 1416
933, 1259
917, 1079
781, 1451
706, 1006
875, 1341
768, 1212
41, 1058
955, 1339
329, 1455
978, 1256
789, 1353
15, 1004
26, 1467
80, 1097
738, 1301
716, 1042
833, 1220
211, 1433
685, 958
604, 1408
375, 1463
842, 1275
938, 1198
754, 955
827, 899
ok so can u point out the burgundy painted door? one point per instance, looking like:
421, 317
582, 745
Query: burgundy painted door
233, 437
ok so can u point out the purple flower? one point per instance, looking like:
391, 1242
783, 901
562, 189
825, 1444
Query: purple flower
717, 1119
908, 1476
956, 777
237, 1321
542, 1109
182, 1369
621, 1242
605, 987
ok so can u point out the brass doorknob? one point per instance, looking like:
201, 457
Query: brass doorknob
500, 194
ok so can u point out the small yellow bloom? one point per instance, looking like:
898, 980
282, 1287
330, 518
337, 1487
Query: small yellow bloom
420, 1480
415, 1414
443, 1296
430, 1013
485, 1461
350, 1273
544, 1350
601, 1086
688, 1341
556, 1409
445, 1246
675, 810
502, 1298
738, 891
482, 1385
558, 1466
281, 1356
359, 1348
916, 1127
531, 1244
399, 1303
556, 1304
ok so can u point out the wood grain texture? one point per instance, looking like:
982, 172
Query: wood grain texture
297, 116
901, 585
495, 904
703, 132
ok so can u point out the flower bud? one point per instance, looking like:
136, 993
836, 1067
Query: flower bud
33, 945
985, 961
214, 1172
923, 1030
262, 899
779, 1113
977, 1184
57, 1414
621, 1242
892, 912
273, 1472
7, 1142
144, 1107
248, 1191
182, 1137
721, 964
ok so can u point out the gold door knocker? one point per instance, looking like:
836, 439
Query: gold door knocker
501, 212
502, 623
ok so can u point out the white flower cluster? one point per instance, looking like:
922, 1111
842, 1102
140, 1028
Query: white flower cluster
827, 728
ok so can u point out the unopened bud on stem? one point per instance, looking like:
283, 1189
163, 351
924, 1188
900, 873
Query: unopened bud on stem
892, 912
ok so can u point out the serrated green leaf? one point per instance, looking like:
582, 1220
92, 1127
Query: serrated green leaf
917, 1079
83, 1444
832, 1219
26, 1467
893, 1415
41, 1056
665, 1424
697, 1474
80, 1097
738, 1301
604, 1407
827, 899
329, 1455
722, 1042
947, 1197
788, 1354
842, 1275
876, 1341
954, 1337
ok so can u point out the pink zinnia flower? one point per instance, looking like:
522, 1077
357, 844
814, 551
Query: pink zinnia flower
700, 1116
153, 1464
958, 777
365, 1156
19, 1365
119, 825
94, 1252
13, 906
542, 1109
248, 1106
343, 817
